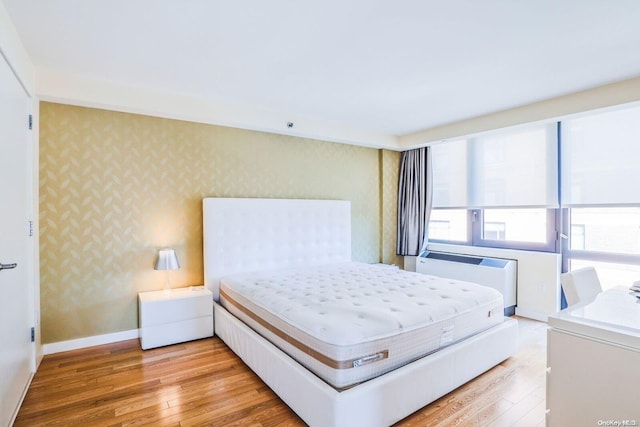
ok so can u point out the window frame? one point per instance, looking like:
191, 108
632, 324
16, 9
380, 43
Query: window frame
475, 221
586, 255
551, 244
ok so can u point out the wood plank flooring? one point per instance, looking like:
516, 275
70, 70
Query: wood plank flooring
202, 383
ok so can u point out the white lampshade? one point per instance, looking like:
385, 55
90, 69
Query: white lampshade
167, 260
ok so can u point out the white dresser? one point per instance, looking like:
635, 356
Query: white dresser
169, 317
593, 360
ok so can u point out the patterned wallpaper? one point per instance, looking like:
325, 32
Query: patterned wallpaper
115, 186
389, 171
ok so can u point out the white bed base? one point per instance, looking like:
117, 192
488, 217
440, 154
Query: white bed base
381, 401
242, 235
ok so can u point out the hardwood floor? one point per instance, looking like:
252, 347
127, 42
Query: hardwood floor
202, 383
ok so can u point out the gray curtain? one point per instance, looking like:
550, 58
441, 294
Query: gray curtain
414, 200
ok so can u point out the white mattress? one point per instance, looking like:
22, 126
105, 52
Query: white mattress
350, 322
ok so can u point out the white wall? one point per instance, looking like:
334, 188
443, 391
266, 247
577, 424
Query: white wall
538, 276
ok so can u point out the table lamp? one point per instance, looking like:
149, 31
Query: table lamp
167, 260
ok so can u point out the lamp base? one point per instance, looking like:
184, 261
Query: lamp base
167, 285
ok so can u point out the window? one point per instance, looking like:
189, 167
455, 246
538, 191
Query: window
503, 185
449, 225
610, 274
449, 162
518, 225
599, 176
607, 238
493, 230
533, 229
505, 169
577, 236
502, 189
598, 159
606, 229
440, 229
514, 168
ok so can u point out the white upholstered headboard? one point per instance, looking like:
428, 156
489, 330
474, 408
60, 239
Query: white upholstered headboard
242, 235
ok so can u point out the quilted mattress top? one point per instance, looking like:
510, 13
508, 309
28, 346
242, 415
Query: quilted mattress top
350, 303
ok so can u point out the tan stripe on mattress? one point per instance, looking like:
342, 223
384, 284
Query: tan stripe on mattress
336, 364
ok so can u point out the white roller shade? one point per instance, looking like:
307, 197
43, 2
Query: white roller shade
450, 174
600, 155
513, 168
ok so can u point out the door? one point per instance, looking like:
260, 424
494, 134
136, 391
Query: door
15, 290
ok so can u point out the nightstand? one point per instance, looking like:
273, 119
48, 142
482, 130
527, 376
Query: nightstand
182, 314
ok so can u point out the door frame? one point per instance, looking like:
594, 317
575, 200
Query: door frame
34, 271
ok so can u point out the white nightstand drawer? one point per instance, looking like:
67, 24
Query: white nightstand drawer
171, 317
172, 333
160, 307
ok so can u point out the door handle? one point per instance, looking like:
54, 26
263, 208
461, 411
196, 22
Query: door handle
7, 266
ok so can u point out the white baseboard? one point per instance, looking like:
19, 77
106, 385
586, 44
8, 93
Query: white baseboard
58, 347
532, 315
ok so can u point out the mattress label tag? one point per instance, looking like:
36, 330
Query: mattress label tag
447, 336
368, 359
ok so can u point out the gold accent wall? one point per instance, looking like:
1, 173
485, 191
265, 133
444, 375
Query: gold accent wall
114, 187
389, 164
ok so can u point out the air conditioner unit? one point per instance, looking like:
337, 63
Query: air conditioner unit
496, 273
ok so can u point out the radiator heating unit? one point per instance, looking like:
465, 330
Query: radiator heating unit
497, 273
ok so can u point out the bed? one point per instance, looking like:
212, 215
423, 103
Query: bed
253, 246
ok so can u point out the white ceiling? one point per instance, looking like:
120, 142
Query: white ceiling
387, 67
